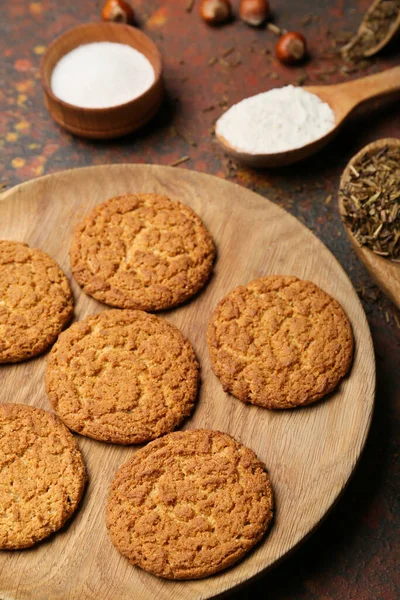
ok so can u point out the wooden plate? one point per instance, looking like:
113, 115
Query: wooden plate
310, 452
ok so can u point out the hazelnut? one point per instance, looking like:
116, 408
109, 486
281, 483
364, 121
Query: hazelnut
254, 12
215, 12
118, 11
291, 48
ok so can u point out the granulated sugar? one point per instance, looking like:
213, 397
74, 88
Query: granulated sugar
101, 74
275, 121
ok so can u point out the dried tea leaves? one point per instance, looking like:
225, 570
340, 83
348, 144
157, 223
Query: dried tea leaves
378, 23
371, 201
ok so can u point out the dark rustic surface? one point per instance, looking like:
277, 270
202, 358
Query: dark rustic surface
353, 555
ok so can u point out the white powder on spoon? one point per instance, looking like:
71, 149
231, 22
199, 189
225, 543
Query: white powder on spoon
275, 121
101, 74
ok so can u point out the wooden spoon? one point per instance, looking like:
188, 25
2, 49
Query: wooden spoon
384, 271
343, 98
363, 29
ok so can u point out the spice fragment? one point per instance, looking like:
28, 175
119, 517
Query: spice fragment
179, 161
306, 20
275, 29
186, 138
354, 171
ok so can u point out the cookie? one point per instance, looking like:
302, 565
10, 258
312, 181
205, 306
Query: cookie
189, 504
142, 251
42, 475
279, 342
36, 301
122, 376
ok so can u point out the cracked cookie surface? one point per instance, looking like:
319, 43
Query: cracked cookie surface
42, 475
122, 376
142, 251
279, 342
189, 504
35, 301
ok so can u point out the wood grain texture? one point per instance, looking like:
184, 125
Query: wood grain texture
385, 272
310, 453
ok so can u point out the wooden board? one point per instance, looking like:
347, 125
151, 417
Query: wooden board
310, 452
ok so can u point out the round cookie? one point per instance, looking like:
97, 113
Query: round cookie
122, 376
42, 475
36, 301
189, 504
142, 251
279, 342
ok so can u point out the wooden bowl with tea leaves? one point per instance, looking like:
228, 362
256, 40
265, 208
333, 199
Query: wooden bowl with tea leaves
369, 205
380, 25
112, 121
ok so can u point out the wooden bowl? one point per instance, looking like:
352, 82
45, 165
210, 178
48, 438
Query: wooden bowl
384, 271
114, 121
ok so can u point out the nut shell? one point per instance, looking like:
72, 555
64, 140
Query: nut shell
216, 12
291, 48
254, 12
118, 11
